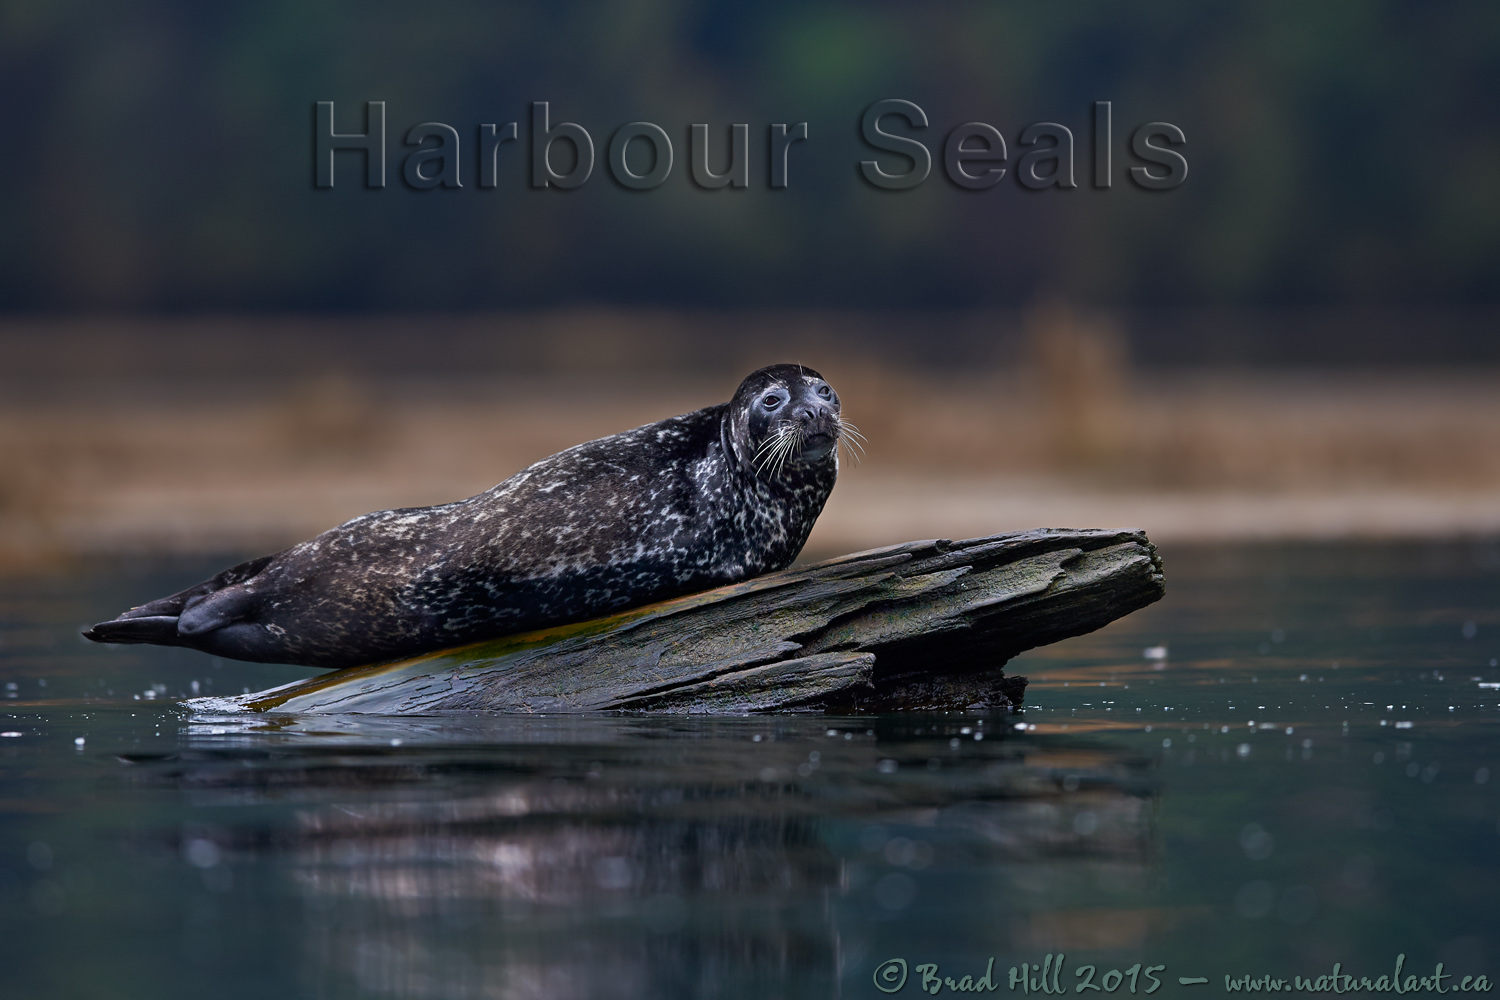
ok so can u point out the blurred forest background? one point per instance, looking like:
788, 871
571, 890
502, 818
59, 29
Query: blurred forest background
201, 351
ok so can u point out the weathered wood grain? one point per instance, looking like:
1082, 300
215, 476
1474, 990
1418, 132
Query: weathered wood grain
924, 625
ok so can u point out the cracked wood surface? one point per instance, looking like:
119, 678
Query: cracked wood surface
922, 625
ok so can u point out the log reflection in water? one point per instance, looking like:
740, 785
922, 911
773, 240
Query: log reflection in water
593, 857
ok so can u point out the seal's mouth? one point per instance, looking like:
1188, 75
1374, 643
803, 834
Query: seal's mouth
817, 444
787, 442
800, 442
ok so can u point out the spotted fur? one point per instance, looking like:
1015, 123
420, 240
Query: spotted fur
680, 505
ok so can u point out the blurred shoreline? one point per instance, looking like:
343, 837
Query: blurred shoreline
1051, 425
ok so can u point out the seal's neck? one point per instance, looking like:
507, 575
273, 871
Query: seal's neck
777, 512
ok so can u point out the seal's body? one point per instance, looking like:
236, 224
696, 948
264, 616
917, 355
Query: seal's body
691, 502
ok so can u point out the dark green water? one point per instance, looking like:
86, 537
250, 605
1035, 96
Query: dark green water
1309, 777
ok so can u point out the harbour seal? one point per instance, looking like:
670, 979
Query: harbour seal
694, 501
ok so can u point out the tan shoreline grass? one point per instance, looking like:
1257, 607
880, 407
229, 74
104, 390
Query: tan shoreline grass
1186, 455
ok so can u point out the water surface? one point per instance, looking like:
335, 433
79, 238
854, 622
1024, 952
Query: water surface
1284, 764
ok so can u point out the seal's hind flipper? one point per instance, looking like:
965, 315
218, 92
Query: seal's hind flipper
202, 615
156, 621
178, 602
160, 630
229, 606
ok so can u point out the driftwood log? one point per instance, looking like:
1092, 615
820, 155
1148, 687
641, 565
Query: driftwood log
924, 625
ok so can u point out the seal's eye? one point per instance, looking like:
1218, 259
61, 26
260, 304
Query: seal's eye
825, 392
771, 401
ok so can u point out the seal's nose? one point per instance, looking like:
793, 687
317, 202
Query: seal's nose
803, 413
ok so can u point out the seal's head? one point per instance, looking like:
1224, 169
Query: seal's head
786, 415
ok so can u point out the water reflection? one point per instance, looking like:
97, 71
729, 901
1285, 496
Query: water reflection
482, 856
1306, 776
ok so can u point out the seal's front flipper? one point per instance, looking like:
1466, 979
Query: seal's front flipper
160, 630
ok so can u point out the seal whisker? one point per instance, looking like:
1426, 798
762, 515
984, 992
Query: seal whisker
762, 454
770, 441
773, 445
847, 447
763, 463
795, 436
765, 447
848, 427
789, 443
851, 439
